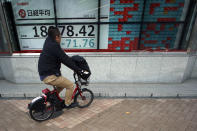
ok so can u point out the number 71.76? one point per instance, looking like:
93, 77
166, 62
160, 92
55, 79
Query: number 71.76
85, 43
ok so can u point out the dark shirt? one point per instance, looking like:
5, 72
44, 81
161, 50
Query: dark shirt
51, 58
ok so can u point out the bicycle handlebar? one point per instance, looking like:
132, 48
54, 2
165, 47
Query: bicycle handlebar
81, 80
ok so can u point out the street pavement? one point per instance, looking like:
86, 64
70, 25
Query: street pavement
131, 114
116, 107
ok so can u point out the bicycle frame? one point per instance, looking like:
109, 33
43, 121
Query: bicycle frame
78, 88
54, 91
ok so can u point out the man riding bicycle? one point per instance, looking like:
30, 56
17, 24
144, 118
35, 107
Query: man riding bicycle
50, 63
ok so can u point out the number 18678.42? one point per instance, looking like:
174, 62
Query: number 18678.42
67, 31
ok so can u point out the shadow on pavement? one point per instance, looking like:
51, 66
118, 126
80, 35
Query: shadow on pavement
56, 114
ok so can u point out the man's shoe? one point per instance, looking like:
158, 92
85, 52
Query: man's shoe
72, 105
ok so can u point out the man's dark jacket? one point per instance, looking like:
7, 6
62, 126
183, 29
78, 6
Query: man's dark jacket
51, 58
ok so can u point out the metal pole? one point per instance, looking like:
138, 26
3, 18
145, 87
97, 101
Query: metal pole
55, 12
141, 25
98, 30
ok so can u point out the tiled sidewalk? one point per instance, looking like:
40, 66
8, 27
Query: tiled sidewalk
107, 115
72, 117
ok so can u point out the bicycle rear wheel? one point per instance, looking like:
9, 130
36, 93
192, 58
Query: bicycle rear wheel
85, 98
41, 112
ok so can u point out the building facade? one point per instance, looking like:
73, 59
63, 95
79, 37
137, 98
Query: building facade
132, 41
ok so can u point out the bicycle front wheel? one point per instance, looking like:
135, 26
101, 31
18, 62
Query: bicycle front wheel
85, 98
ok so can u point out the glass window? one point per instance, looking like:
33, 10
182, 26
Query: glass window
125, 10
102, 25
158, 37
77, 36
165, 10
74, 11
3, 42
32, 19
4, 47
119, 37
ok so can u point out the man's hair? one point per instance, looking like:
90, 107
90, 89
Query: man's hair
53, 32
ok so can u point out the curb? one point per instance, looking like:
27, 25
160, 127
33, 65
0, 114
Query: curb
100, 95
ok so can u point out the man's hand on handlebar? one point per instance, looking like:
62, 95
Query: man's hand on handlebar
84, 74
